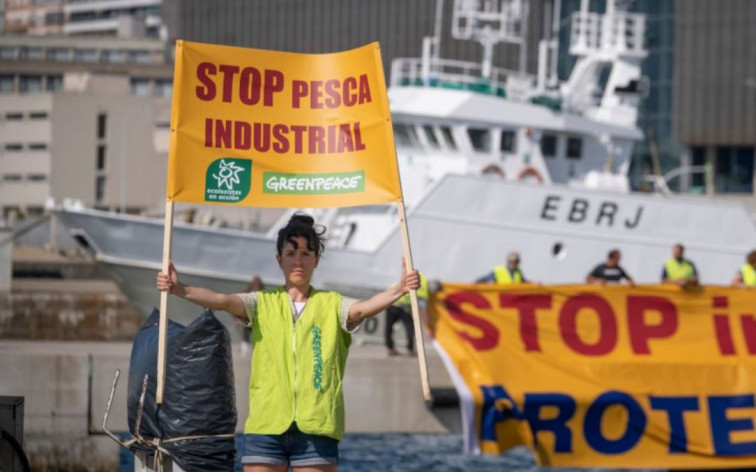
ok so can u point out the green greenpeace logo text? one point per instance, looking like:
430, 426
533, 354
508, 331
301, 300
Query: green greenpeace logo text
228, 180
314, 184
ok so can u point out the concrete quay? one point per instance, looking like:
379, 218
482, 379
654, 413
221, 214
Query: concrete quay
66, 385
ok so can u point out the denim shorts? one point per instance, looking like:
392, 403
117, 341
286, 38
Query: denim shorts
293, 448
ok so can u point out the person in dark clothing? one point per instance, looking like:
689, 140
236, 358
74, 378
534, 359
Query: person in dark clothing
400, 313
609, 272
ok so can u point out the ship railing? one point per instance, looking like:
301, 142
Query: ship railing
620, 32
461, 75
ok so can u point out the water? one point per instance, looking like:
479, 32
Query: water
415, 453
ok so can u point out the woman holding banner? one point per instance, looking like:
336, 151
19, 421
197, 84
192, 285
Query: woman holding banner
301, 338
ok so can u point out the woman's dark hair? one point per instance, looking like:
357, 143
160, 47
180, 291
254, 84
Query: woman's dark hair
304, 226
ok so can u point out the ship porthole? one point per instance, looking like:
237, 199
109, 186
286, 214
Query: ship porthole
559, 251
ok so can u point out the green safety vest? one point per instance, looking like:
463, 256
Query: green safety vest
422, 293
297, 368
679, 270
749, 275
502, 275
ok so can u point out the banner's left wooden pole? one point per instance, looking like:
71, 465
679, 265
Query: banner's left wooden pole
163, 327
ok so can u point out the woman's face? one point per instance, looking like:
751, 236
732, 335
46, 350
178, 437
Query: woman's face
297, 263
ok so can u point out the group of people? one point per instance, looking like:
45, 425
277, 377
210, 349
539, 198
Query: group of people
301, 338
677, 270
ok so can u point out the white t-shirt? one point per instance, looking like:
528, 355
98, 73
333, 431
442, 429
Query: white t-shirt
250, 306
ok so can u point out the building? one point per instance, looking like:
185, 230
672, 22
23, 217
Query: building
85, 119
37, 17
714, 102
122, 18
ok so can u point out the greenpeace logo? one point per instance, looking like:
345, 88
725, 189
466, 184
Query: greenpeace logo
313, 184
317, 358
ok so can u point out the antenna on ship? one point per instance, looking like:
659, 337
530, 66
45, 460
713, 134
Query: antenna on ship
491, 22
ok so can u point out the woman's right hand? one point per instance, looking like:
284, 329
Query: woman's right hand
168, 282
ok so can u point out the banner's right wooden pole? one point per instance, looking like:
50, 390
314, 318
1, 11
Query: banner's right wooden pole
420, 346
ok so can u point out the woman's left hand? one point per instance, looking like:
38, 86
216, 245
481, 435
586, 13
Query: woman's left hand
410, 279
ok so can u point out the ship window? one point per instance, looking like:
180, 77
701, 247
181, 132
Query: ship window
574, 148
405, 136
507, 141
549, 145
430, 135
12, 177
480, 139
36, 177
37, 146
14, 147
14, 116
38, 115
448, 137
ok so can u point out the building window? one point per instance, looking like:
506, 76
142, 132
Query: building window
54, 18
139, 57
113, 56
54, 83
58, 54
7, 53
480, 139
698, 159
448, 137
549, 145
14, 147
574, 148
38, 115
12, 177
508, 140
6, 83
30, 54
734, 170
14, 116
100, 189
37, 146
30, 83
101, 157
163, 88
36, 177
140, 87
430, 135
102, 123
86, 55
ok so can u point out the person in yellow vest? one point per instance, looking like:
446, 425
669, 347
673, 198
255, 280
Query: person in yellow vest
401, 311
300, 338
506, 274
746, 277
678, 270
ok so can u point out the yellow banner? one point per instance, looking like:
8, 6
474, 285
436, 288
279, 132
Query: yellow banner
276, 129
648, 376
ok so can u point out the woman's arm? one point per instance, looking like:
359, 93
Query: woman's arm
200, 296
380, 301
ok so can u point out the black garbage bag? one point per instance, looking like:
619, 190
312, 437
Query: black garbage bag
199, 402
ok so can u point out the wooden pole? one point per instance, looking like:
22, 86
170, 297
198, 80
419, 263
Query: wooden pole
415, 306
163, 327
